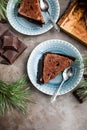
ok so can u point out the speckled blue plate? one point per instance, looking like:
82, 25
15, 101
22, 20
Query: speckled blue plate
23, 26
55, 46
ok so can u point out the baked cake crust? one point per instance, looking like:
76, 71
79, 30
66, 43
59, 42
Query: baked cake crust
51, 65
31, 9
73, 21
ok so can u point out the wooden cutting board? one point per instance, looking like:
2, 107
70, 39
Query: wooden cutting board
73, 22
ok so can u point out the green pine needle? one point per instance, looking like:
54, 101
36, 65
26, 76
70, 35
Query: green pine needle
13, 95
81, 91
3, 5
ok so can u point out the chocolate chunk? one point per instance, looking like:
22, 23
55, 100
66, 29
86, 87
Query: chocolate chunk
10, 47
11, 55
15, 43
21, 46
7, 41
0, 43
3, 29
10, 43
85, 76
9, 33
4, 61
1, 50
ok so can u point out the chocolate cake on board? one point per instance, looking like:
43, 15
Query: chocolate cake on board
73, 21
51, 64
30, 9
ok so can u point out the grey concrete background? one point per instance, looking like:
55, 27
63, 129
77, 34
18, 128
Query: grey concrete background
66, 114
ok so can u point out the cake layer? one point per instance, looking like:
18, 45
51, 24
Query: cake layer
52, 64
74, 21
31, 9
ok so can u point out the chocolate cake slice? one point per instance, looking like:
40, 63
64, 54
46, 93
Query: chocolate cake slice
51, 64
30, 9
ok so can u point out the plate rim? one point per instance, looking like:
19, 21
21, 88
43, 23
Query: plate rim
22, 31
81, 64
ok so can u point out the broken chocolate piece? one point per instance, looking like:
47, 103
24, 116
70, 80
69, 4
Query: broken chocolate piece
10, 43
1, 50
21, 46
9, 33
10, 47
4, 61
85, 76
3, 29
11, 55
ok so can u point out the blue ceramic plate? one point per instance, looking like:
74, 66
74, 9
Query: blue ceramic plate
55, 46
24, 26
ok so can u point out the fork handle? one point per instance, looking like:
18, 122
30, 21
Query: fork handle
54, 24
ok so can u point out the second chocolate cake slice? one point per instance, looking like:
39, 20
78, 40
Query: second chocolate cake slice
51, 64
30, 9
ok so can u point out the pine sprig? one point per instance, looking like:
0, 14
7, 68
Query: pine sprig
13, 95
3, 5
81, 91
85, 61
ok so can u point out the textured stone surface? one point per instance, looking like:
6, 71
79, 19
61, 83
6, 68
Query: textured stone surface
66, 114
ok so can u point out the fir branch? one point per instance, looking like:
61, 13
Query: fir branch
81, 91
3, 5
13, 95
